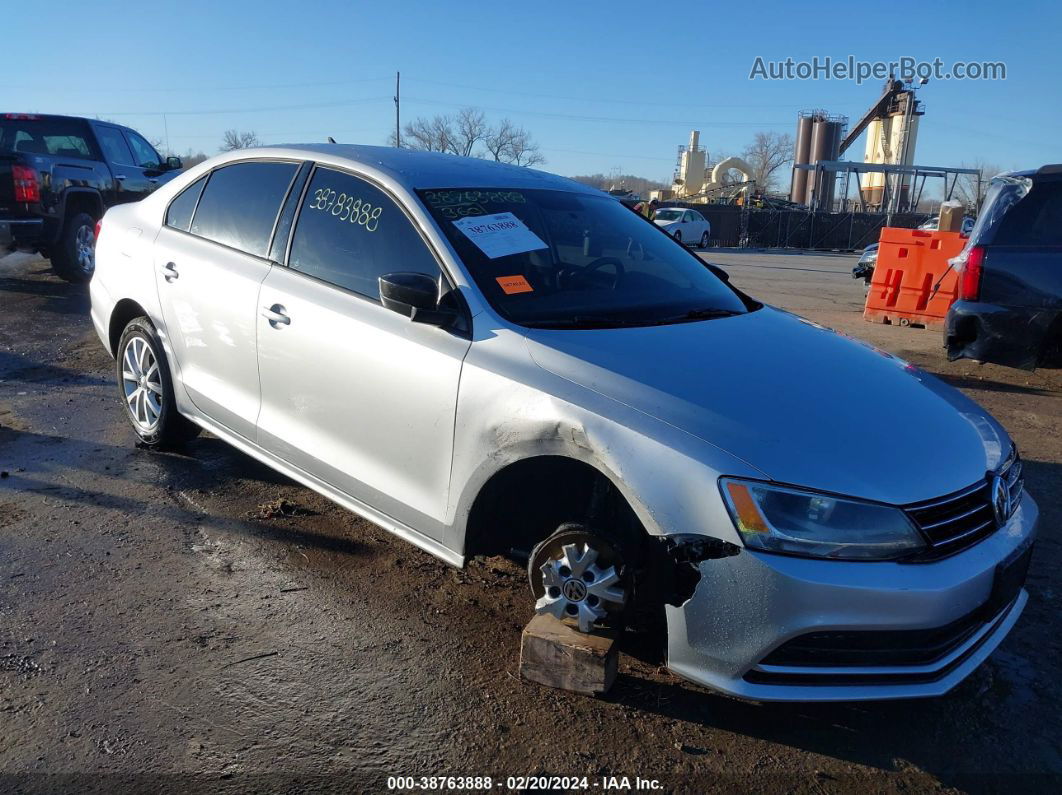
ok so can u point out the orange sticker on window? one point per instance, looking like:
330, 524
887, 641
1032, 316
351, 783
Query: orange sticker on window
514, 284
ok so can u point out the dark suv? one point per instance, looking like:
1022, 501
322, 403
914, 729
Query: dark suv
1009, 309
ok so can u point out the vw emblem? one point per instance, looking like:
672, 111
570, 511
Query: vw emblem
1000, 500
574, 590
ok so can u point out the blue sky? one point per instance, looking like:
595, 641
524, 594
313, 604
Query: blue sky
600, 85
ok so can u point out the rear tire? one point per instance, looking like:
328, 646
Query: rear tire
74, 257
146, 388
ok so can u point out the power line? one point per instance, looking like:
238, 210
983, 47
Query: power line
606, 119
615, 100
198, 88
605, 154
307, 106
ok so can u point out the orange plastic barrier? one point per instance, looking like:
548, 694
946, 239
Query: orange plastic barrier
905, 288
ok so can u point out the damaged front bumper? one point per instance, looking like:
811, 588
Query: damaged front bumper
1010, 336
772, 627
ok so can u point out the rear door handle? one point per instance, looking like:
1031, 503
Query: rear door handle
169, 272
119, 177
275, 315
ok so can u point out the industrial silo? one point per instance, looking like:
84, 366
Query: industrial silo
891, 139
801, 154
826, 135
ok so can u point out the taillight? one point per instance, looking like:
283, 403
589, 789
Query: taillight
99, 225
970, 276
26, 187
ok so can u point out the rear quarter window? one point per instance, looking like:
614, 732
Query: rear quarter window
1036, 220
240, 203
179, 213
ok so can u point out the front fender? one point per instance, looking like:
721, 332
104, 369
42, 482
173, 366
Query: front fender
509, 409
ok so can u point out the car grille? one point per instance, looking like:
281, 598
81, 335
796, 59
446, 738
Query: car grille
953, 523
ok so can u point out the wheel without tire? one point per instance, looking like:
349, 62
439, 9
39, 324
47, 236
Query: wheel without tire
74, 257
704, 240
147, 389
578, 575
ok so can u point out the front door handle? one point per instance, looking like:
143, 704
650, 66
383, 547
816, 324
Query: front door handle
119, 177
275, 315
169, 272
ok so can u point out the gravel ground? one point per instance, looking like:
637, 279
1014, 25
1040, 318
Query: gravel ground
195, 622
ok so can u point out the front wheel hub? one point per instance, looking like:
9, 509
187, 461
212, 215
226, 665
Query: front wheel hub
578, 588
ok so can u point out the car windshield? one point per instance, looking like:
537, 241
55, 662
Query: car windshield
558, 259
667, 215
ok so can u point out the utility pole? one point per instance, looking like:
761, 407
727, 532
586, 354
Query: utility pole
398, 101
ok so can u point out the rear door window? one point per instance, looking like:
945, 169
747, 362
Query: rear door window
240, 203
179, 214
349, 233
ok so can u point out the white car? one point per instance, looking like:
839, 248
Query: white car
686, 226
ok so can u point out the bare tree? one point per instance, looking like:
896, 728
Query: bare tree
470, 127
768, 152
508, 143
234, 139
966, 187
427, 135
469, 134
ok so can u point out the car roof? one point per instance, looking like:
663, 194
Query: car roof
1051, 170
418, 170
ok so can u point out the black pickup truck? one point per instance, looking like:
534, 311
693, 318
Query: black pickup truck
58, 174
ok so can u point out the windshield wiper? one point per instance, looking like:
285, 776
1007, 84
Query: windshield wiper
588, 321
702, 314
596, 321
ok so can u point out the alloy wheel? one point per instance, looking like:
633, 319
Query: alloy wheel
142, 383
85, 248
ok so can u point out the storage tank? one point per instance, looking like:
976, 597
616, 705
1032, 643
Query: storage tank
826, 135
801, 152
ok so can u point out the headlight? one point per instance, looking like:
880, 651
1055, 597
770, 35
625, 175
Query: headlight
775, 519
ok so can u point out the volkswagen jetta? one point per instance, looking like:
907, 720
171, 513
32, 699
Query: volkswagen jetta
483, 358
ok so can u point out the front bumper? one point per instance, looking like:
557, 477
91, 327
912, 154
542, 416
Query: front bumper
1010, 336
747, 606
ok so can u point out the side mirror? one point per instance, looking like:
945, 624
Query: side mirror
722, 274
173, 163
415, 295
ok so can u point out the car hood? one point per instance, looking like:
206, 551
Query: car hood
802, 404
662, 222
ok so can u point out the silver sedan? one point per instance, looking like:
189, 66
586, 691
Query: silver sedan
486, 359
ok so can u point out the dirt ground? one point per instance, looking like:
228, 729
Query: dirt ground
160, 630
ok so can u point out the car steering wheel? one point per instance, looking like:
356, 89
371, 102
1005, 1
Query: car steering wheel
573, 274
